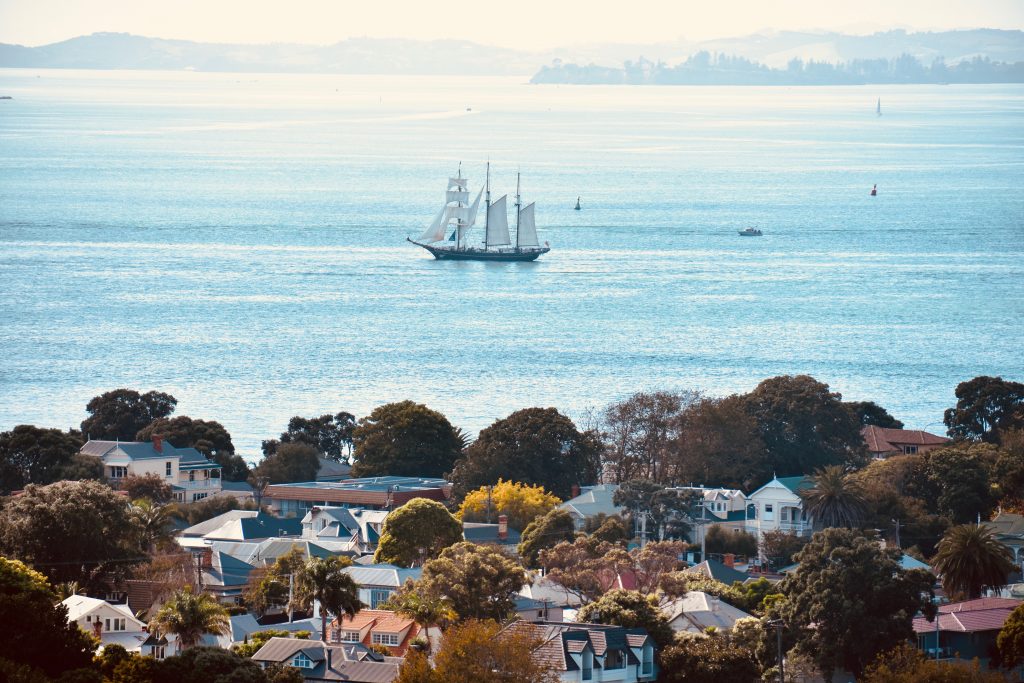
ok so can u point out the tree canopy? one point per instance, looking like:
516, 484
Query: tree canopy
985, 407
707, 658
323, 580
33, 455
969, 559
190, 615
405, 439
667, 509
121, 413
545, 532
834, 499
870, 413
849, 600
640, 432
630, 609
478, 581
330, 434
536, 446
93, 524
521, 503
1010, 641
44, 639
416, 532
290, 462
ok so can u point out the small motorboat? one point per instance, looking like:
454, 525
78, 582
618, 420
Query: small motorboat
750, 232
874, 191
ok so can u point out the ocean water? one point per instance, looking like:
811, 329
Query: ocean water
239, 241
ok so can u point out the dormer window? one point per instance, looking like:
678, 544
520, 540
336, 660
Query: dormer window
385, 639
302, 661
613, 659
350, 636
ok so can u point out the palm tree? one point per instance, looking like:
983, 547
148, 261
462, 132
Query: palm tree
190, 616
835, 500
322, 579
425, 609
969, 559
153, 523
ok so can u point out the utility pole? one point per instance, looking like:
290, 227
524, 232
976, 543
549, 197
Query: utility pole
703, 528
489, 504
777, 623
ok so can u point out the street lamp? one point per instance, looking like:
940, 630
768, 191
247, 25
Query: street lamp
777, 623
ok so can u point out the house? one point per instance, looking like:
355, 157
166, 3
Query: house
777, 506
223, 576
190, 474
377, 582
719, 507
698, 611
591, 501
719, 571
592, 652
371, 493
320, 662
964, 630
243, 626
1008, 528
884, 442
500, 534
116, 625
529, 609
375, 627
360, 527
544, 590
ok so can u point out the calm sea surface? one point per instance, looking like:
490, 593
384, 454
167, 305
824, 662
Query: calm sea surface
238, 241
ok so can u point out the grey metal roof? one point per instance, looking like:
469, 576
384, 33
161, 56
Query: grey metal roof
342, 668
217, 522
387, 575
594, 500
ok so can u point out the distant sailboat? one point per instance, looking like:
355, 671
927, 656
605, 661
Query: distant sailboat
577, 207
878, 107
459, 214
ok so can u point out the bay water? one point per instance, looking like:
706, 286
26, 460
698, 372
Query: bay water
238, 240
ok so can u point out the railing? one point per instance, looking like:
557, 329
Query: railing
199, 484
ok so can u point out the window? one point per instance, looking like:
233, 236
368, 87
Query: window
106, 624
192, 476
118, 472
588, 665
613, 659
167, 468
385, 639
767, 507
88, 618
784, 514
302, 661
159, 651
647, 668
377, 596
199, 496
910, 450
350, 636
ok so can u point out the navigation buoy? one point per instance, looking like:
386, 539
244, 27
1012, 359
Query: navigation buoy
874, 190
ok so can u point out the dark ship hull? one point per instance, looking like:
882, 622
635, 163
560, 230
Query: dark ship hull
470, 254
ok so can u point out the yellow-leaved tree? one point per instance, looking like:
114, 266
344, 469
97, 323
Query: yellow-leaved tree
521, 503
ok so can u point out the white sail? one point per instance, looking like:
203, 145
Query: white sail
461, 196
461, 183
527, 227
474, 207
497, 224
457, 212
435, 233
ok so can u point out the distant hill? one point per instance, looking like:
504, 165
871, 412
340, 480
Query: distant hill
399, 56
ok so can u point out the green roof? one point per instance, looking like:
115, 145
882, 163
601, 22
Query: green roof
796, 484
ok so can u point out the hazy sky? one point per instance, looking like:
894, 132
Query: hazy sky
530, 24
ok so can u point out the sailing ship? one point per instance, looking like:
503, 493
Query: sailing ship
878, 107
458, 216
577, 207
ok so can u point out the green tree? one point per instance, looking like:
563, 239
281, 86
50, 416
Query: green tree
329, 434
969, 559
667, 509
254, 641
291, 462
323, 580
405, 439
521, 503
268, 588
805, 426
43, 638
416, 532
630, 609
190, 616
208, 437
834, 499
586, 567
737, 542
870, 413
779, 547
480, 652
283, 673
153, 524
537, 446
150, 486
121, 413
93, 524
416, 668
608, 528
545, 532
986, 406
32, 455
955, 481
208, 665
426, 609
849, 600
479, 582
707, 658
1010, 641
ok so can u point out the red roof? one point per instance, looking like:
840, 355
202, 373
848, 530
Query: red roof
379, 621
985, 614
884, 439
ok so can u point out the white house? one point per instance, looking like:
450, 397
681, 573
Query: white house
697, 611
115, 624
777, 506
722, 507
190, 474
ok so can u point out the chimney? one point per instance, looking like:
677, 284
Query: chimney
502, 527
575, 490
158, 443
729, 560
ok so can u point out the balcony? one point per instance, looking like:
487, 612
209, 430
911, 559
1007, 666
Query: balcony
199, 484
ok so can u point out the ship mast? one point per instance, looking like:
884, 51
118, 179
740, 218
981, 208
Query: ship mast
517, 210
487, 201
